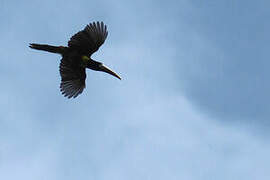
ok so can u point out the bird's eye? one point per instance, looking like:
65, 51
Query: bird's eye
85, 59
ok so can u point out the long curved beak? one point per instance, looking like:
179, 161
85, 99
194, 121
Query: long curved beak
109, 71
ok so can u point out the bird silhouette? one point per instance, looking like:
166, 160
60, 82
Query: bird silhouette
76, 57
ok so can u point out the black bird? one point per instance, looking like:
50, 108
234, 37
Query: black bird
76, 57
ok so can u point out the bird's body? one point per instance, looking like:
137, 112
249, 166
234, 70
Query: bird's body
76, 57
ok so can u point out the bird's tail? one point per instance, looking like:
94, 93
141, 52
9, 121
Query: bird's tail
49, 48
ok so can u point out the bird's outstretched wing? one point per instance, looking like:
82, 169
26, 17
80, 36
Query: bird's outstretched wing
90, 39
72, 78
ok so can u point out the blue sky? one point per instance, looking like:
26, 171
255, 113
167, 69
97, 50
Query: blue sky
193, 102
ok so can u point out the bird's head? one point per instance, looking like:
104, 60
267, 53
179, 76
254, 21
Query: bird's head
98, 66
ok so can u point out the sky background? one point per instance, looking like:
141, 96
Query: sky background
193, 103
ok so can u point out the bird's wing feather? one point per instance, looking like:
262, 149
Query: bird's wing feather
72, 78
90, 39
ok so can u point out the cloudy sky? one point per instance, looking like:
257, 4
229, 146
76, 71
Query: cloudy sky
193, 103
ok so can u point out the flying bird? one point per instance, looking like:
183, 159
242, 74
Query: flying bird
76, 57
